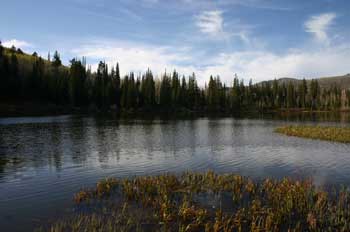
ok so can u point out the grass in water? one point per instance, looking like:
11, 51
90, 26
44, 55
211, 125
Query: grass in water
207, 202
335, 134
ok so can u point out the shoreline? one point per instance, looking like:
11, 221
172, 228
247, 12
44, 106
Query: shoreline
28, 109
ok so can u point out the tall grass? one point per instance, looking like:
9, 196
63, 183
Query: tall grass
208, 202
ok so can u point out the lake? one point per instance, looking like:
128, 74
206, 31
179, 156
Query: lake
45, 160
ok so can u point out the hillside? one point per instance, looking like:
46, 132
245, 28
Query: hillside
342, 82
26, 61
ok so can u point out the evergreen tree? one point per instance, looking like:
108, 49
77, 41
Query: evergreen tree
35, 79
77, 79
15, 83
165, 92
99, 85
124, 92
175, 87
275, 96
117, 86
290, 95
302, 92
314, 91
148, 90
131, 93
193, 94
56, 62
183, 92
213, 98
235, 95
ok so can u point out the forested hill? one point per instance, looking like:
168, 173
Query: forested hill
342, 82
28, 77
31, 78
26, 61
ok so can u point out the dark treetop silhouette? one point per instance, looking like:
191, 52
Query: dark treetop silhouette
31, 77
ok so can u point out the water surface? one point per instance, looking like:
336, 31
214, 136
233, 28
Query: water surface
44, 160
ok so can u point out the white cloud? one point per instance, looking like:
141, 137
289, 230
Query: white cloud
17, 43
210, 22
135, 57
255, 64
264, 65
318, 25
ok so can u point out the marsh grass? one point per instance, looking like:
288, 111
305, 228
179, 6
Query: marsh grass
335, 134
208, 202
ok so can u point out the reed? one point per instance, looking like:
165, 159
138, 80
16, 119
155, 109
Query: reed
334, 134
175, 203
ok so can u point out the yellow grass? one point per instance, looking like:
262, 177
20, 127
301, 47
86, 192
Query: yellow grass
335, 134
170, 203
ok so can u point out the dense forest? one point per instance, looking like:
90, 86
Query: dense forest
32, 78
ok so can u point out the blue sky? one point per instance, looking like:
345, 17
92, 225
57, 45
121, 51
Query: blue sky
257, 39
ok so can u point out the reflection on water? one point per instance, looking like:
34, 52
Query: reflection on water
44, 160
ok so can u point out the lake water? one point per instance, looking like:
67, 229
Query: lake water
45, 160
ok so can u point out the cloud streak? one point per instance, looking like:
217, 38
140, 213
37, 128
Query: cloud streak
318, 25
210, 22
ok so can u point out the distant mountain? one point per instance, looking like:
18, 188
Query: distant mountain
342, 82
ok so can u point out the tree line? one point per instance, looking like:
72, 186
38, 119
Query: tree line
48, 80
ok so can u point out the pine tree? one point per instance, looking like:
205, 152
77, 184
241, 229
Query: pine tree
124, 92
165, 92
275, 96
131, 93
290, 95
183, 92
212, 94
35, 78
117, 86
193, 92
15, 83
77, 79
56, 62
302, 92
148, 90
314, 92
235, 95
175, 87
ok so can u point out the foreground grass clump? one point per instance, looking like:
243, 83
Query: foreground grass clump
335, 134
208, 202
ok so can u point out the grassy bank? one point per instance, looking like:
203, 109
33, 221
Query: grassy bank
207, 202
335, 134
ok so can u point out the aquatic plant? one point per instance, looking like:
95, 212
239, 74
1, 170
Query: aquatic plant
208, 202
335, 134
103, 188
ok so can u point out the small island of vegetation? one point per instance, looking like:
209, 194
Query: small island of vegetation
335, 134
207, 202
